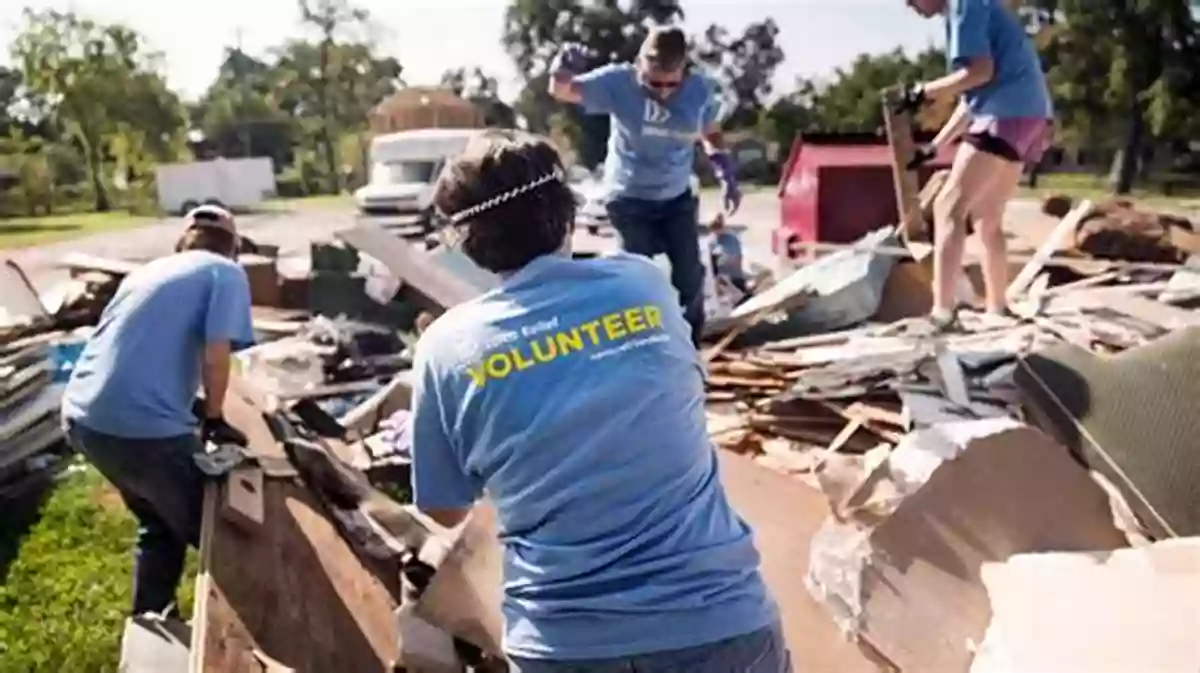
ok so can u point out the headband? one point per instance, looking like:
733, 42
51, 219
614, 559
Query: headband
462, 215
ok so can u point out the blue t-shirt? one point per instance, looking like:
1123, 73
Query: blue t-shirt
982, 28
140, 371
573, 396
651, 143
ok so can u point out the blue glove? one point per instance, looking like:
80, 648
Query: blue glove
731, 195
572, 59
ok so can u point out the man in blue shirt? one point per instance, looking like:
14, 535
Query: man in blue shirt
168, 332
572, 396
1004, 118
659, 110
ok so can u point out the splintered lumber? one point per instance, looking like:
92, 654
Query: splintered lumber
291, 587
1062, 231
900, 140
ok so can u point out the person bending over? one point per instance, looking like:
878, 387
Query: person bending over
659, 108
128, 407
572, 396
1004, 118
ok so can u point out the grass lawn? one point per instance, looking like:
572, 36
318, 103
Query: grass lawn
318, 201
26, 231
1089, 186
65, 570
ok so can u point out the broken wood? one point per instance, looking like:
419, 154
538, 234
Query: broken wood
243, 496
900, 141
1062, 231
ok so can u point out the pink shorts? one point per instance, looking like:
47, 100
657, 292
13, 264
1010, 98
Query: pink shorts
1021, 139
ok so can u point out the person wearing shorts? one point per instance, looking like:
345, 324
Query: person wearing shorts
1004, 119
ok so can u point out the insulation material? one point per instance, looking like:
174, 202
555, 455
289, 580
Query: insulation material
1131, 418
899, 565
1119, 612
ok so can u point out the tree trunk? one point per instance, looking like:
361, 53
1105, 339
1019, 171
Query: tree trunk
1125, 164
335, 181
95, 163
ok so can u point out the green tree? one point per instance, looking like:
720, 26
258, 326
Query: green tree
744, 66
240, 113
101, 85
482, 90
330, 90
329, 17
850, 100
1128, 69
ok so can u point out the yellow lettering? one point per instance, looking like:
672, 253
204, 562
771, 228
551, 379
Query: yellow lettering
613, 327
569, 340
522, 363
477, 374
593, 330
654, 316
634, 320
551, 350
498, 365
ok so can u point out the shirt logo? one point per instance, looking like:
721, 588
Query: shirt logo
655, 113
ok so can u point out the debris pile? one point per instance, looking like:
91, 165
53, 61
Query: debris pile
991, 458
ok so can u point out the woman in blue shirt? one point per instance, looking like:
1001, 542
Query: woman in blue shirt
1004, 119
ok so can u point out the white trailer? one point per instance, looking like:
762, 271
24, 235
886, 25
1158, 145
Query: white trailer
231, 183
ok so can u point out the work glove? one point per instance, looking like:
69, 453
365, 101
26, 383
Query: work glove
219, 432
572, 59
731, 194
920, 157
911, 99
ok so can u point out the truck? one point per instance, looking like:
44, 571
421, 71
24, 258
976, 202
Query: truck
236, 184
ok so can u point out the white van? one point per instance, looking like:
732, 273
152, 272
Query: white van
404, 166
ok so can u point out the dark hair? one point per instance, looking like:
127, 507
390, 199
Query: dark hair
212, 239
665, 49
508, 198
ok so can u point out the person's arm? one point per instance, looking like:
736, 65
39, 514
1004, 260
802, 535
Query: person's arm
228, 326
442, 488
969, 51
595, 90
215, 376
954, 127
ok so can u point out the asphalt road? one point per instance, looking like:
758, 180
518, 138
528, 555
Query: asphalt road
294, 230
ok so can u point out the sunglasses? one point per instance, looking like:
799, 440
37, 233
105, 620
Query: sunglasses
660, 85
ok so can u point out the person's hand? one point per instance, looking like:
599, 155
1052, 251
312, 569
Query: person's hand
218, 431
911, 99
572, 59
731, 193
920, 157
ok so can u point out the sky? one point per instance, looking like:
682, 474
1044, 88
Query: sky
431, 36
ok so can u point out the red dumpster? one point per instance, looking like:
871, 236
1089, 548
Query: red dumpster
837, 187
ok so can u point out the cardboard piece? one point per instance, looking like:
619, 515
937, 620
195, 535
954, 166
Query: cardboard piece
903, 572
1128, 610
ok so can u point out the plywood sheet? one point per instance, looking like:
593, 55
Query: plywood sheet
291, 588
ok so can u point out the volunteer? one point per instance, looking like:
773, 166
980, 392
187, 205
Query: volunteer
659, 109
168, 332
572, 395
1004, 119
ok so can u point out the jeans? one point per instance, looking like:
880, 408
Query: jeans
762, 651
667, 227
164, 489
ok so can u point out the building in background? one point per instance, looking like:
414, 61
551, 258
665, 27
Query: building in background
424, 107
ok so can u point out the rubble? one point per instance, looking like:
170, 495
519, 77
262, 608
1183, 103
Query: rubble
915, 478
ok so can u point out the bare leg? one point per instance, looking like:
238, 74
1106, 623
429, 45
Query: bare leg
973, 179
989, 222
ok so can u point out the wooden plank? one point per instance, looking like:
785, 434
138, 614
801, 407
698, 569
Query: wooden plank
243, 501
1061, 233
417, 269
293, 590
900, 140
